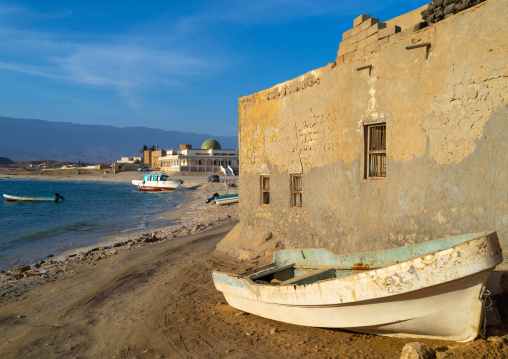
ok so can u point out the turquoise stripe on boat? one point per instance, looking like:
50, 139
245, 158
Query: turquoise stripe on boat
324, 257
227, 196
230, 280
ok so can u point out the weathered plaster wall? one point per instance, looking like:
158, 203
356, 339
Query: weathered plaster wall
407, 20
446, 113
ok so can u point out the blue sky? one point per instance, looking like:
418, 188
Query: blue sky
173, 65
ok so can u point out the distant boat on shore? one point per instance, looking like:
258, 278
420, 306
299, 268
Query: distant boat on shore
16, 198
156, 182
226, 199
428, 290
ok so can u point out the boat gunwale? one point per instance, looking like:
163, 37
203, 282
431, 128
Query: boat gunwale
224, 196
474, 236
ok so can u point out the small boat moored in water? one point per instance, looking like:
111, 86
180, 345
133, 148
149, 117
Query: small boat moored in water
427, 290
17, 198
156, 182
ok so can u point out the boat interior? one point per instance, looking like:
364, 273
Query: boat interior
293, 274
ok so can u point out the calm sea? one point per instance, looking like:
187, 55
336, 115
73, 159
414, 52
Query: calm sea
31, 231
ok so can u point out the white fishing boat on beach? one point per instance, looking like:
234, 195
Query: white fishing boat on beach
155, 182
427, 290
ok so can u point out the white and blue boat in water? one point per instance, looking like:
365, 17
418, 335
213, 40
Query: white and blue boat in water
427, 290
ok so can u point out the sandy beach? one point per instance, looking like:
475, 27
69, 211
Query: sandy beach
151, 295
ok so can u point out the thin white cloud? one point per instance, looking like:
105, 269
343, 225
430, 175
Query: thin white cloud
157, 52
14, 13
123, 64
9, 9
31, 70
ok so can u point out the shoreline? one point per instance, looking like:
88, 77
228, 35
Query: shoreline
191, 216
176, 222
152, 296
93, 176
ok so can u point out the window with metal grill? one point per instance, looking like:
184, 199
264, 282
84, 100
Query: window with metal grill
265, 189
296, 190
375, 154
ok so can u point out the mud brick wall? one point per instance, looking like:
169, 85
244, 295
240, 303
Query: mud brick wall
367, 35
445, 107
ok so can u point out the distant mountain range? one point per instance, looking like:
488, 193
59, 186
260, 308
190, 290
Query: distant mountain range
5, 161
25, 140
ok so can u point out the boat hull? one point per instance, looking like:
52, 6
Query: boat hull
226, 199
221, 202
29, 199
452, 312
156, 186
437, 295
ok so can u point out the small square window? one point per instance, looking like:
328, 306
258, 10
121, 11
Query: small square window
296, 190
265, 189
375, 151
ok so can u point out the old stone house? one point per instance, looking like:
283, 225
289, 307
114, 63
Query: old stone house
402, 139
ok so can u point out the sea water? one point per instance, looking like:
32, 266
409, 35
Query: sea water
30, 231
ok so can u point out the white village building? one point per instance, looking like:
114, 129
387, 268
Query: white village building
209, 158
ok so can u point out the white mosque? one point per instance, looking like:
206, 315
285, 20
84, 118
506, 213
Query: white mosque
209, 158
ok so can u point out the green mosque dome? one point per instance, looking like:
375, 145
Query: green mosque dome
210, 144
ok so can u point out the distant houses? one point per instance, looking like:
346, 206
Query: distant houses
151, 158
130, 163
131, 159
211, 157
